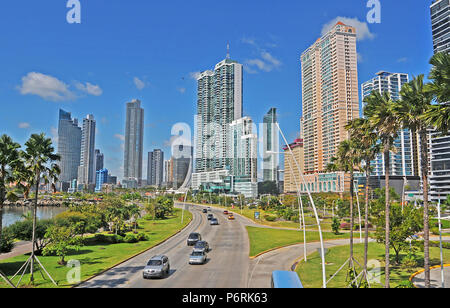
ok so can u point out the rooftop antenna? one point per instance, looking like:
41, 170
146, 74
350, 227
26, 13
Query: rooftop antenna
228, 50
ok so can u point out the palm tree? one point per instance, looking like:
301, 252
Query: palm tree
367, 148
415, 102
346, 160
379, 111
135, 212
9, 161
40, 159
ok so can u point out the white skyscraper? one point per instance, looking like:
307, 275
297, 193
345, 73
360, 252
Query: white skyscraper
86, 170
134, 139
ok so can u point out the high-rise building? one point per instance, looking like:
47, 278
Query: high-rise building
403, 161
270, 142
182, 165
440, 25
219, 102
155, 168
330, 99
243, 157
440, 145
86, 170
291, 173
69, 146
99, 160
134, 139
168, 173
101, 178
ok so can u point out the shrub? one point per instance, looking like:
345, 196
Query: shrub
130, 239
435, 230
345, 226
270, 218
117, 239
142, 237
410, 261
6, 242
406, 285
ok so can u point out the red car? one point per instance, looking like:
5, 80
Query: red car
225, 212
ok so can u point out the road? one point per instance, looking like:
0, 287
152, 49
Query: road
227, 265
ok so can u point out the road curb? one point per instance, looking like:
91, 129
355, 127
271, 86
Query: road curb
422, 271
134, 256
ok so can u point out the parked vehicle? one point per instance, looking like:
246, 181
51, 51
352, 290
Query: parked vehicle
201, 246
157, 267
197, 258
193, 239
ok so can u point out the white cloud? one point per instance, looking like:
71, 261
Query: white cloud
362, 28
45, 86
360, 57
139, 83
195, 75
120, 137
24, 125
181, 90
54, 133
402, 60
266, 63
89, 88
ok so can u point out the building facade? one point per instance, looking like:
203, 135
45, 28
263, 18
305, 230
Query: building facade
155, 168
69, 146
330, 98
99, 160
86, 170
271, 149
182, 166
291, 173
101, 178
440, 25
134, 140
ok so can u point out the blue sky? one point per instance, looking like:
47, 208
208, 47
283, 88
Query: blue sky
150, 50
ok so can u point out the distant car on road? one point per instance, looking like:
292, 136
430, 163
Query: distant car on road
205, 211
197, 258
157, 267
225, 212
201, 246
231, 217
209, 209
210, 216
214, 222
193, 239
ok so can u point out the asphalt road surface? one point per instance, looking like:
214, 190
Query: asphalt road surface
227, 265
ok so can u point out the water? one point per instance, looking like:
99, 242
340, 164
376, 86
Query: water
12, 214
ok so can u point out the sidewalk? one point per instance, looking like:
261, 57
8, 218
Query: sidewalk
19, 249
435, 278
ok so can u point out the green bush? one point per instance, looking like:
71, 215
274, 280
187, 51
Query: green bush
142, 237
410, 261
270, 218
406, 285
435, 230
6, 242
130, 239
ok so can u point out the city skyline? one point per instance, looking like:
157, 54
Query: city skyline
89, 88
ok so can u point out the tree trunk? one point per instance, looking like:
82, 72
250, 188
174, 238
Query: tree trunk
387, 215
33, 238
426, 221
366, 218
2, 199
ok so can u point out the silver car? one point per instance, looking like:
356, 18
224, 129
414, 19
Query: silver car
157, 267
201, 246
198, 257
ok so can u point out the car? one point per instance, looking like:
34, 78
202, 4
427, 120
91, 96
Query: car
209, 209
225, 212
210, 216
201, 246
205, 211
214, 222
231, 217
157, 267
193, 239
197, 257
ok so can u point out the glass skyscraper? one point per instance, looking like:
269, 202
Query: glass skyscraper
155, 168
270, 143
86, 170
134, 140
69, 146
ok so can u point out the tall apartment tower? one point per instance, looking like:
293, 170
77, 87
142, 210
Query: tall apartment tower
440, 145
134, 139
404, 161
329, 97
155, 168
182, 165
99, 160
86, 170
270, 142
440, 25
219, 102
69, 146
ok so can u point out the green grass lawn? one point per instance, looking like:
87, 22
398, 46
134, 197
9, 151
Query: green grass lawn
262, 239
96, 258
311, 272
